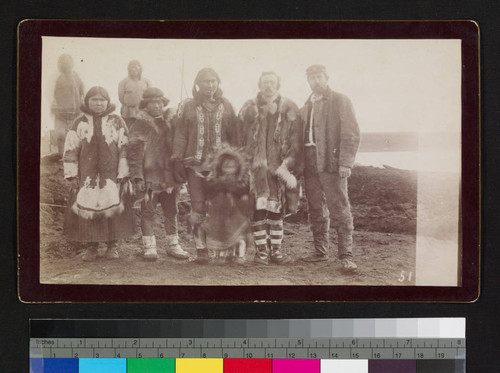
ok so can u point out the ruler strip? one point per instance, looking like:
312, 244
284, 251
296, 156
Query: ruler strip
302, 346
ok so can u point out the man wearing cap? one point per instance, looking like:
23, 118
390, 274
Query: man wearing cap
271, 133
331, 140
130, 92
149, 152
204, 123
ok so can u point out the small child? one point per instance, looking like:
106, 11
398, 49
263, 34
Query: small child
226, 224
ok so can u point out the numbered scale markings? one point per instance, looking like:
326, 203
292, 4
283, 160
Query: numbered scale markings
251, 348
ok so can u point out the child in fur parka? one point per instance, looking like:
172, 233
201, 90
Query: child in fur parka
150, 149
227, 189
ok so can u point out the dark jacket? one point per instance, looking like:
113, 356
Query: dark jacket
336, 131
200, 131
150, 149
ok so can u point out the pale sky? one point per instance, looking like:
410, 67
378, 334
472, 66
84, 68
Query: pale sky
395, 85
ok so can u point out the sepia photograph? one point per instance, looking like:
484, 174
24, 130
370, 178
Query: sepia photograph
243, 162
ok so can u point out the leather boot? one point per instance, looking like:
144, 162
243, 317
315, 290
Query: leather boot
90, 252
150, 253
261, 255
174, 249
200, 241
345, 250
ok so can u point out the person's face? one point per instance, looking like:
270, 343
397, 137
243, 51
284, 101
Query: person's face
229, 167
66, 66
317, 82
155, 108
134, 70
269, 85
208, 86
98, 104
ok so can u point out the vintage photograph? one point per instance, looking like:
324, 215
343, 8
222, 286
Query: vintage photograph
250, 161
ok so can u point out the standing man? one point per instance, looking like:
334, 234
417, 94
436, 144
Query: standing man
331, 141
204, 123
270, 125
130, 91
68, 97
149, 152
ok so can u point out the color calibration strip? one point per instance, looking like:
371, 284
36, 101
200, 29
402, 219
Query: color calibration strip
52, 365
253, 346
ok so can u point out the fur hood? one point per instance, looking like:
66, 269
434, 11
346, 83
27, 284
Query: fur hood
214, 162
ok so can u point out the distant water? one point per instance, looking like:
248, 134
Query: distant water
435, 161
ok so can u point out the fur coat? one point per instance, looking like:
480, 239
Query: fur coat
272, 141
227, 222
150, 149
95, 152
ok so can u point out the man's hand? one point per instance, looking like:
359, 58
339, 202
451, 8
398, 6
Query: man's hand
344, 172
73, 182
140, 185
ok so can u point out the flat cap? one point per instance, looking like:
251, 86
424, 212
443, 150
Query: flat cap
315, 69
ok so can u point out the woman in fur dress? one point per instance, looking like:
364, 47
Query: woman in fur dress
95, 166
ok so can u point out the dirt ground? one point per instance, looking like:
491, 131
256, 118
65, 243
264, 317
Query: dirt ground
384, 205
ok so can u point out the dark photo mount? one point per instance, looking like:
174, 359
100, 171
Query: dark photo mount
30, 88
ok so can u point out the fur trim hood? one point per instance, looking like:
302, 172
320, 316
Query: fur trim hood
214, 163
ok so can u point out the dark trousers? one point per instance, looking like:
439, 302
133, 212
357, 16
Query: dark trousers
329, 206
197, 194
168, 204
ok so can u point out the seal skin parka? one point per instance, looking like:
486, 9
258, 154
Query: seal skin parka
273, 142
96, 153
150, 149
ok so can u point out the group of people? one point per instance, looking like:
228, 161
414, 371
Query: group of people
242, 169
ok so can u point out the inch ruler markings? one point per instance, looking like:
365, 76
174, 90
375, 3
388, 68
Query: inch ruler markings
250, 348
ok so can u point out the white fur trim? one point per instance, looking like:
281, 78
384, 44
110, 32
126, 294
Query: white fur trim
123, 170
85, 130
122, 138
276, 233
72, 141
70, 169
284, 174
261, 203
95, 199
109, 130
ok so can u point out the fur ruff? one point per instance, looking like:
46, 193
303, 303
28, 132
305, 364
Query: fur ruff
286, 176
213, 163
93, 202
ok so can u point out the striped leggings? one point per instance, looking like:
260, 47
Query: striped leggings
267, 226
